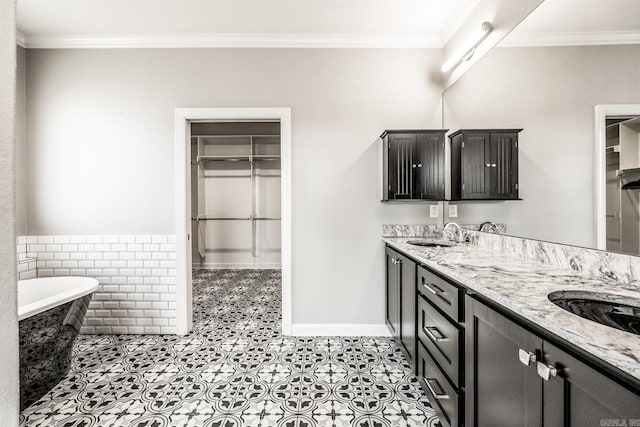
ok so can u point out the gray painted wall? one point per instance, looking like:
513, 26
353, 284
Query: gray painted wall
8, 311
551, 93
101, 149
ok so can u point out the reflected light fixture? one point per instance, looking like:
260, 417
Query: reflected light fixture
468, 48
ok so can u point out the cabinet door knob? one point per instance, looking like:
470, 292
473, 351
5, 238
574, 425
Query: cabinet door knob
487, 165
441, 395
413, 166
493, 165
419, 165
546, 372
526, 357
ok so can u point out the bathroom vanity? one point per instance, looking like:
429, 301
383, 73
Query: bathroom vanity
491, 349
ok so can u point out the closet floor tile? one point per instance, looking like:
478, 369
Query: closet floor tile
234, 369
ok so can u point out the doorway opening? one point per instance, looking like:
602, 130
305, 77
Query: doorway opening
233, 197
618, 178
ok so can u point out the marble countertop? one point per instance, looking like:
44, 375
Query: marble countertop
522, 286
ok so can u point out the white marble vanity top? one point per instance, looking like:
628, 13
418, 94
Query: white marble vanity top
522, 286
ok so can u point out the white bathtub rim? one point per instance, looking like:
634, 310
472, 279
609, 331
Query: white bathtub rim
82, 286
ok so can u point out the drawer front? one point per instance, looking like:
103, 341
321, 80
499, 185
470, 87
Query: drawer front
442, 338
443, 397
446, 296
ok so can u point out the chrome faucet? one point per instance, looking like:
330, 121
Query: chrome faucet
457, 232
489, 227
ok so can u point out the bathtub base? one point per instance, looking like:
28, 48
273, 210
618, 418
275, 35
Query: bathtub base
46, 344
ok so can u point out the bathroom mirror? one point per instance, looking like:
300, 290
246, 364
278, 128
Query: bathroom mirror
546, 77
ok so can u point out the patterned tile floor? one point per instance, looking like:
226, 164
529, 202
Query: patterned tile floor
234, 369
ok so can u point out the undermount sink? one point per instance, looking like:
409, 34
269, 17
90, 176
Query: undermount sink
611, 310
431, 243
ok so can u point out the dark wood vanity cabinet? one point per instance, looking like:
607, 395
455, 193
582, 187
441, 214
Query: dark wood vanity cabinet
413, 164
401, 302
441, 345
516, 378
484, 164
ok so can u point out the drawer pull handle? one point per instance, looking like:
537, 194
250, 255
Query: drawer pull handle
433, 288
526, 357
433, 333
546, 372
441, 395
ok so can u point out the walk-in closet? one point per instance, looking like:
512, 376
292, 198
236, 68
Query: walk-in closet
235, 194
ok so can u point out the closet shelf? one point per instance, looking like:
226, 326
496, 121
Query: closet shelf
254, 158
228, 218
223, 158
612, 149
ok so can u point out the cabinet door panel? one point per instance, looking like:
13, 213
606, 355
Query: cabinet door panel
500, 390
429, 173
401, 161
504, 165
393, 293
476, 182
579, 396
408, 308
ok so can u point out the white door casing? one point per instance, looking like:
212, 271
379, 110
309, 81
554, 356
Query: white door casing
183, 116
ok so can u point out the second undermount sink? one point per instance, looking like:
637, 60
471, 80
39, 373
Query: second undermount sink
611, 310
431, 243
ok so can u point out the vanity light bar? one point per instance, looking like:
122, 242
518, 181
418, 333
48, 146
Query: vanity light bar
468, 48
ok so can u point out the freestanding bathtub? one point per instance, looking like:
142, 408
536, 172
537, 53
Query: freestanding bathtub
50, 313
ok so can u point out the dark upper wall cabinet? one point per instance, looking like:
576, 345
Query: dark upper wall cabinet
484, 164
413, 164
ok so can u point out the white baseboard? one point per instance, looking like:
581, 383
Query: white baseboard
242, 266
339, 330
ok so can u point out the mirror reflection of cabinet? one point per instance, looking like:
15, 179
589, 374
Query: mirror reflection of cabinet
484, 164
413, 164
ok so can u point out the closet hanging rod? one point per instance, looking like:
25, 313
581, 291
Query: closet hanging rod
221, 218
241, 158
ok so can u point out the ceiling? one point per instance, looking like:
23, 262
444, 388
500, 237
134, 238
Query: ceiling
418, 20
307, 23
579, 22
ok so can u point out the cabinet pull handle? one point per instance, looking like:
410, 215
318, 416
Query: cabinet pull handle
433, 333
526, 357
441, 395
396, 261
546, 372
433, 288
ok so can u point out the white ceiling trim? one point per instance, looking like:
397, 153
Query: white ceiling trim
531, 39
230, 41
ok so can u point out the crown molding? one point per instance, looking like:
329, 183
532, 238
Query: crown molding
112, 41
456, 19
20, 39
539, 39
